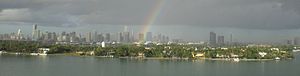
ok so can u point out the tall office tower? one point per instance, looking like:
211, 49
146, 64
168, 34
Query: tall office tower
167, 39
54, 36
141, 37
159, 38
297, 41
19, 34
289, 42
212, 38
221, 40
89, 37
163, 39
149, 36
120, 37
230, 38
125, 29
73, 37
126, 37
101, 38
95, 37
34, 32
107, 37
132, 37
39, 34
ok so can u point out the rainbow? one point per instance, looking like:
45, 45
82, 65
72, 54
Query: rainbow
151, 18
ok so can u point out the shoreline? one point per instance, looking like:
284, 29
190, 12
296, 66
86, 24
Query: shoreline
151, 58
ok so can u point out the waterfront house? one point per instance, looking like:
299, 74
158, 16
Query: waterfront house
232, 55
198, 54
262, 54
41, 51
141, 55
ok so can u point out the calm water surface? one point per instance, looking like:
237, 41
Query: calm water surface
13, 65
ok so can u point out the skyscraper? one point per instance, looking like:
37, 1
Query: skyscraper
212, 38
141, 37
297, 41
107, 37
89, 37
221, 40
149, 36
95, 37
19, 34
126, 36
34, 32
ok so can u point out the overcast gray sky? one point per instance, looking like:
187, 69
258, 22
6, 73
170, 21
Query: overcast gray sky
247, 20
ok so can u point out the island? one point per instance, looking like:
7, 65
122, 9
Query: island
154, 50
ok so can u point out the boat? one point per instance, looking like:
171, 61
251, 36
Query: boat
42, 54
37, 54
17, 53
236, 59
277, 58
296, 50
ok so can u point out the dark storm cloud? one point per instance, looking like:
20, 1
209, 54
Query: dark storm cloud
245, 14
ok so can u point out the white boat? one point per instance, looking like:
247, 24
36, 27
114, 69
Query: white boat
33, 53
277, 58
236, 59
42, 54
296, 50
18, 53
37, 54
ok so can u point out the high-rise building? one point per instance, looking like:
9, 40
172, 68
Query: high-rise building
19, 34
100, 38
141, 37
95, 37
126, 37
89, 37
220, 39
148, 36
34, 32
297, 41
120, 37
125, 29
38, 34
107, 37
289, 42
212, 38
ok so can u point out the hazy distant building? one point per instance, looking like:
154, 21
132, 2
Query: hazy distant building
212, 38
89, 37
34, 32
107, 37
19, 34
297, 41
95, 37
141, 37
289, 42
120, 37
148, 36
126, 36
221, 40
39, 35
100, 38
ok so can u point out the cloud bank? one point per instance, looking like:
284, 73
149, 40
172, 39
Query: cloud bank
244, 14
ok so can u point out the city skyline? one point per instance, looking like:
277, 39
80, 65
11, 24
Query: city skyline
127, 37
247, 21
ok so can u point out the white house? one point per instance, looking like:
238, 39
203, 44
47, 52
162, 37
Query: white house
262, 54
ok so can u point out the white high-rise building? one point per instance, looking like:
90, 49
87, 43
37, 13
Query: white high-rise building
103, 44
19, 34
34, 32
